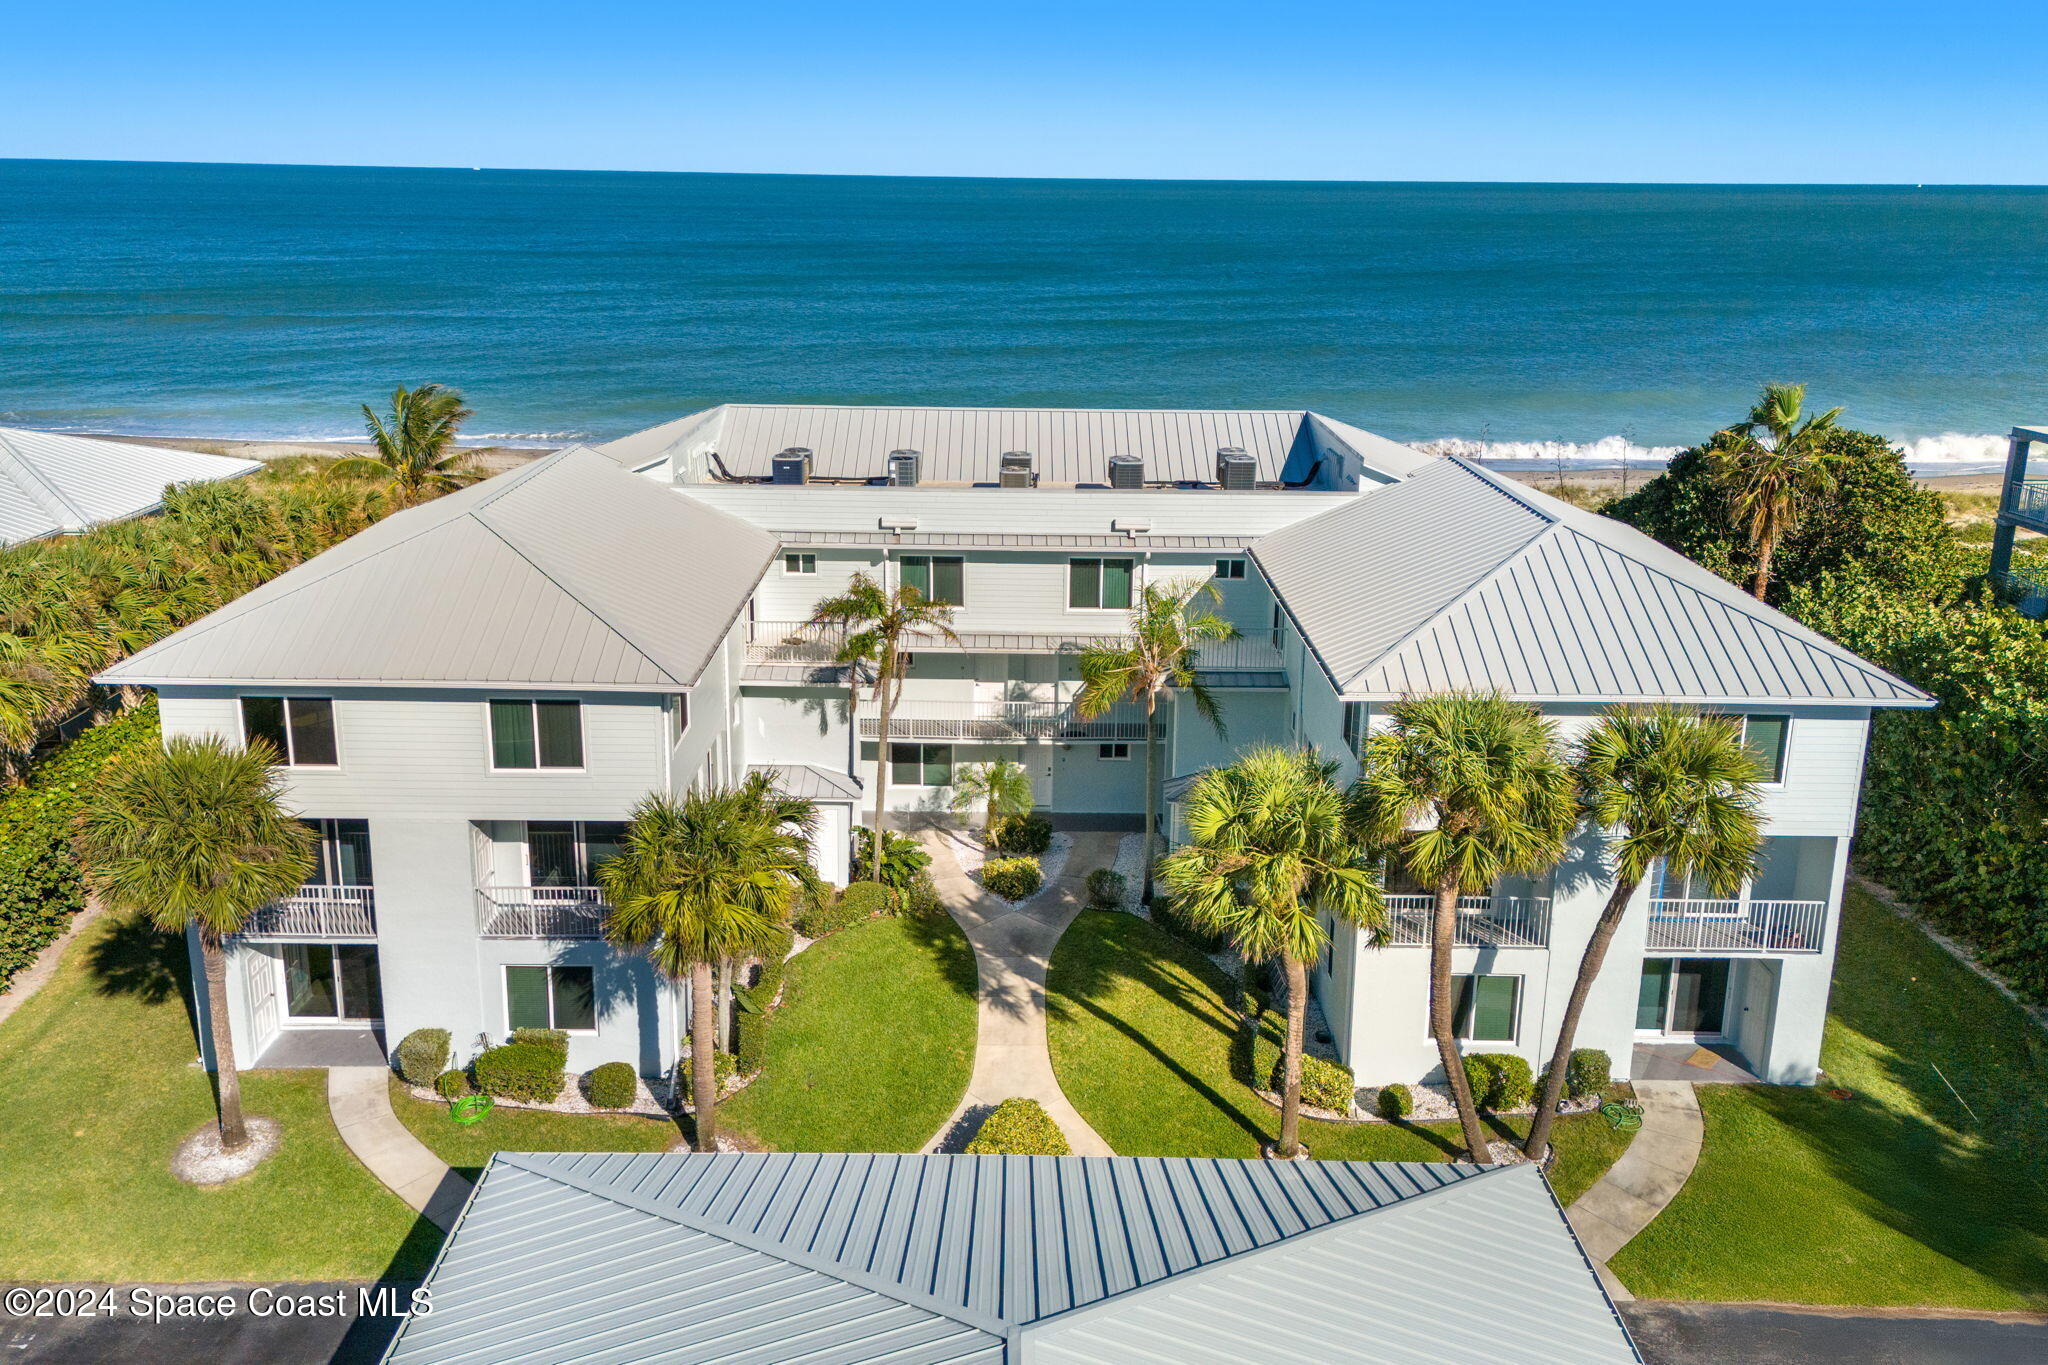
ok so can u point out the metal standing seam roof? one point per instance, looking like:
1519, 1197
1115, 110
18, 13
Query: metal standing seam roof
809, 782
964, 445
52, 484
1456, 578
563, 574
851, 1258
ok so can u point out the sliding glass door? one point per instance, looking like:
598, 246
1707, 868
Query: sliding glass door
1683, 997
327, 983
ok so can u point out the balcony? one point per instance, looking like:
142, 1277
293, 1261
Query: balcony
2027, 501
1005, 722
1739, 925
324, 914
775, 643
1484, 921
540, 912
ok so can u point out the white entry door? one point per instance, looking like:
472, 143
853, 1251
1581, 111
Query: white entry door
260, 976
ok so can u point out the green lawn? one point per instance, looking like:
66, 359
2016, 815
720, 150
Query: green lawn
469, 1148
97, 1088
873, 1044
1141, 1039
1897, 1196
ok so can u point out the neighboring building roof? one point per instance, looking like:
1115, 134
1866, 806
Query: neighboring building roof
1459, 578
52, 485
567, 573
845, 1259
965, 445
809, 782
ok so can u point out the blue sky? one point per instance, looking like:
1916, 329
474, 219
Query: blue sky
1681, 91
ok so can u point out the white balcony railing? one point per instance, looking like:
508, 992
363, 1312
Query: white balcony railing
539, 911
1483, 921
1737, 925
325, 913
799, 642
1005, 721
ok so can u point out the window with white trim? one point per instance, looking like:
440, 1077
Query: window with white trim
1484, 1008
1357, 725
299, 729
1099, 584
1230, 568
800, 565
551, 996
937, 578
536, 734
1114, 753
1764, 737
921, 765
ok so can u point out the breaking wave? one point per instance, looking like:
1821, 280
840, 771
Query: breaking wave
1609, 452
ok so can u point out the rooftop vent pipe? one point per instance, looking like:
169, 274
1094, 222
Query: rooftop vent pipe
1016, 470
904, 467
1235, 469
792, 466
1127, 471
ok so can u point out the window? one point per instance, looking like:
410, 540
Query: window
332, 981
921, 765
300, 729
1764, 737
551, 997
569, 852
800, 564
1230, 568
1357, 724
1099, 584
678, 719
342, 857
536, 734
937, 578
1484, 1008
1114, 752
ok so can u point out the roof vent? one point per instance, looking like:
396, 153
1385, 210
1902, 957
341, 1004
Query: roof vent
1235, 469
1127, 471
897, 524
792, 466
1016, 470
904, 467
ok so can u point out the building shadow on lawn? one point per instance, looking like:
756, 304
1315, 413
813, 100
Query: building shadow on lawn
371, 1334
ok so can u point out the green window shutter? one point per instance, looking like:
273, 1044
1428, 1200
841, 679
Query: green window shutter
949, 581
1084, 583
512, 734
1764, 737
263, 718
917, 573
526, 997
938, 765
561, 733
312, 723
1116, 583
1493, 1011
575, 998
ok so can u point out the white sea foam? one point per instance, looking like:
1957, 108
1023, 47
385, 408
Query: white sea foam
1950, 452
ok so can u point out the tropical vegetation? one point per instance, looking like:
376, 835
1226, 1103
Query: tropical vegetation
1769, 468
1000, 790
416, 454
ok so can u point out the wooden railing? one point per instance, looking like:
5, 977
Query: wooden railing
317, 912
540, 912
1737, 925
1484, 921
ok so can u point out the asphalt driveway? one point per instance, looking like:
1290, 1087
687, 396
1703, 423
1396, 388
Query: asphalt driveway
1734, 1334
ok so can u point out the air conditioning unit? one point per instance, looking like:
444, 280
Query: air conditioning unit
1235, 469
792, 466
1015, 471
904, 467
1127, 471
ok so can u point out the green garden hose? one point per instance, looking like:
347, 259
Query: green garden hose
1625, 1118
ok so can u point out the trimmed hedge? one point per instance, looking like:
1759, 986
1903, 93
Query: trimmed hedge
1324, 1083
453, 1085
423, 1055
1589, 1072
1019, 1127
611, 1086
554, 1038
1395, 1101
41, 886
1108, 889
828, 913
750, 1025
1012, 878
1500, 1080
1019, 835
527, 1071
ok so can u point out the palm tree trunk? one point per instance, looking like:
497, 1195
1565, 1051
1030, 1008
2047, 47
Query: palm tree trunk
1538, 1145
703, 1065
1151, 793
725, 1006
1761, 582
228, 1081
1290, 1063
885, 700
1442, 931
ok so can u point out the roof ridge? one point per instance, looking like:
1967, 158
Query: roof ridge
38, 486
752, 1241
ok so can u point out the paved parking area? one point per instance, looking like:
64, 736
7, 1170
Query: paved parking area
200, 1324
1734, 1334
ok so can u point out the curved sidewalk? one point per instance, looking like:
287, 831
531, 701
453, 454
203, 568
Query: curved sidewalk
359, 1099
1012, 949
1648, 1176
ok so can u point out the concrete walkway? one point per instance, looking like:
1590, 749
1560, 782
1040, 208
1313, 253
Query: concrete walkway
30, 979
1012, 949
359, 1098
1648, 1176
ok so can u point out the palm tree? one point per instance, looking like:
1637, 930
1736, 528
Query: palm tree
1156, 658
1270, 849
1770, 468
1486, 781
1002, 789
193, 837
706, 879
1678, 787
879, 624
415, 455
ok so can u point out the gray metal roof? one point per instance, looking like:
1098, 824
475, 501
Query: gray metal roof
1458, 578
53, 485
809, 781
567, 573
964, 445
850, 1258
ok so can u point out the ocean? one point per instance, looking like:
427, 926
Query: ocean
1524, 322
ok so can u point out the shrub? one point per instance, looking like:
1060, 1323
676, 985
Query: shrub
1107, 889
922, 899
831, 913
453, 1085
1014, 835
1395, 1101
1500, 1080
904, 859
750, 1027
553, 1038
1012, 878
520, 1071
611, 1086
1324, 1083
1019, 1127
423, 1055
1589, 1072
724, 1066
